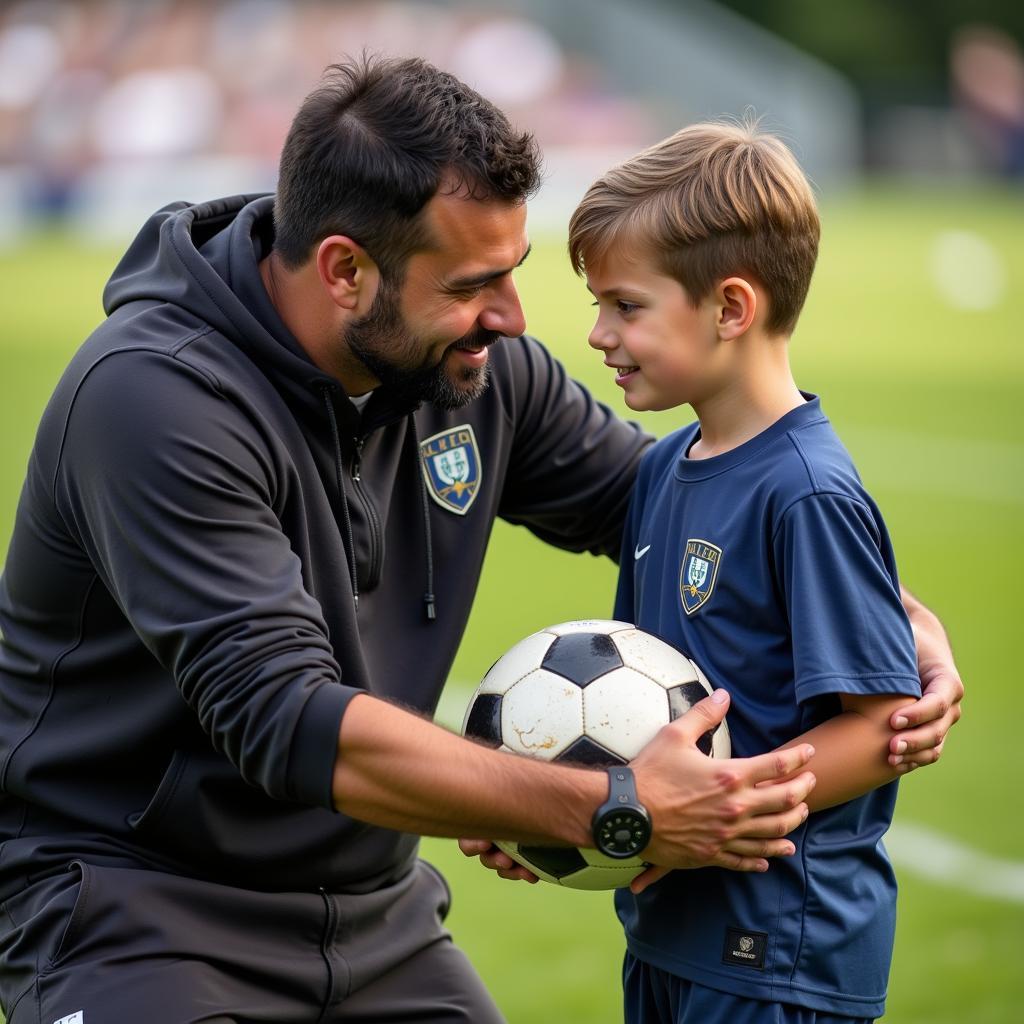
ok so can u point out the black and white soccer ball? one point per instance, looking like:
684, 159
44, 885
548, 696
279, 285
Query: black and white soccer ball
591, 692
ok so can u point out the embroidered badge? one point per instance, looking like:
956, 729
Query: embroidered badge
451, 467
698, 573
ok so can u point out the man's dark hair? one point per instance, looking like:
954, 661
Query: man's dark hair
375, 141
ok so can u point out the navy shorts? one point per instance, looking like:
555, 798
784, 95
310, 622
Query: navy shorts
653, 996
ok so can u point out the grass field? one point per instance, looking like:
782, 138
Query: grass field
927, 394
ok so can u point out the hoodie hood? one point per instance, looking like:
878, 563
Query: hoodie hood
205, 260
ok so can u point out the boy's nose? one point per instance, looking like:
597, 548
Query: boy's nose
600, 338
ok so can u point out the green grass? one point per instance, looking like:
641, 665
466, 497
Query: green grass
927, 398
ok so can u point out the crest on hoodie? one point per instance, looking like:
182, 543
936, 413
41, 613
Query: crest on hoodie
451, 468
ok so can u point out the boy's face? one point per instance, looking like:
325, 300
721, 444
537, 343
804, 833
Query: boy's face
664, 351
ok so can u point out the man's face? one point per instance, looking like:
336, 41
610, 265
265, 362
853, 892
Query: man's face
428, 340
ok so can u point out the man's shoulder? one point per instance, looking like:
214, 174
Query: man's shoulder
141, 332
521, 355
131, 377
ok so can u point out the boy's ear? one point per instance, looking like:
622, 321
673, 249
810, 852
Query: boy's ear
737, 307
348, 274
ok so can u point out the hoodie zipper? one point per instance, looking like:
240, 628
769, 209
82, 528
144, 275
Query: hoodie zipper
376, 538
372, 519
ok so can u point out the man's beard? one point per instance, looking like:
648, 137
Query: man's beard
383, 343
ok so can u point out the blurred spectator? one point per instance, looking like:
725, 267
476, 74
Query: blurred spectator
512, 61
987, 70
106, 100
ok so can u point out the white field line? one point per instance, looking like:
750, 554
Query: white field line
935, 857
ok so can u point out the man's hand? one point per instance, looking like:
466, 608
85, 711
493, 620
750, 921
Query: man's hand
724, 813
922, 727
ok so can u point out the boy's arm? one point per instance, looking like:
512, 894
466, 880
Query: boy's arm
850, 750
921, 727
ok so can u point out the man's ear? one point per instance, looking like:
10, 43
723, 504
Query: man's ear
737, 307
347, 273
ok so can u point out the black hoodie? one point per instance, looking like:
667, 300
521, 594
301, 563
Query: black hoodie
180, 631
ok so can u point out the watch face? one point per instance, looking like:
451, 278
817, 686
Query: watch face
622, 833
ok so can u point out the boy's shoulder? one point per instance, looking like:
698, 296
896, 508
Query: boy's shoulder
799, 455
820, 458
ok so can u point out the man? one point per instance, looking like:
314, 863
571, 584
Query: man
232, 571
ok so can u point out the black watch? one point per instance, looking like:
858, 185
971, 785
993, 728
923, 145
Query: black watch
621, 825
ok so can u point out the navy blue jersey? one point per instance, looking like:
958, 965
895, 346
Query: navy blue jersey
771, 567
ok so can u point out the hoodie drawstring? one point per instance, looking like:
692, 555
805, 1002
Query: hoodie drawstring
428, 597
327, 392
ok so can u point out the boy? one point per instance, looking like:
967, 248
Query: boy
752, 546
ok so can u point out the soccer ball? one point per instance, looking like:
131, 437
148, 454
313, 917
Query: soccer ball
590, 692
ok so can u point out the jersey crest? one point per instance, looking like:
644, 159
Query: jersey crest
451, 467
698, 573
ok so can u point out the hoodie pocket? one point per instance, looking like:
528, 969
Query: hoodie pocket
150, 816
205, 816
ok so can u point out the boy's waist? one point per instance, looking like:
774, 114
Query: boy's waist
820, 922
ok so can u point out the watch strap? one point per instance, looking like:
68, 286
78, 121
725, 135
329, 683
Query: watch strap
621, 786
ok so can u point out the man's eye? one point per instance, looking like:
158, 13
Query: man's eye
626, 307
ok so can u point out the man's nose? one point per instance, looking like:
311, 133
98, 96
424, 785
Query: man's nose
505, 313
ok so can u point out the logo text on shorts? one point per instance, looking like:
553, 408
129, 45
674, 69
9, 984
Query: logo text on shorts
745, 948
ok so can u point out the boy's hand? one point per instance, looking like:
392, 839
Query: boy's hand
922, 727
493, 858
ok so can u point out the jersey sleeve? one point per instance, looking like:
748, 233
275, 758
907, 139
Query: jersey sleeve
836, 571
165, 485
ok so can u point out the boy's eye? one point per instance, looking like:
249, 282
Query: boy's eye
622, 306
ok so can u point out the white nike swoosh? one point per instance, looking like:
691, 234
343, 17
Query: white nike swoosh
639, 552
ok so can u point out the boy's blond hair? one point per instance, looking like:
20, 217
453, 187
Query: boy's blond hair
710, 201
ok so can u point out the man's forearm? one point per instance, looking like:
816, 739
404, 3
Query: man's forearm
400, 771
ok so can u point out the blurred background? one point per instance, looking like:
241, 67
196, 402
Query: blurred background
109, 106
908, 117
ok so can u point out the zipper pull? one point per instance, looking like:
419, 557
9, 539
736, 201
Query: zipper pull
357, 459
